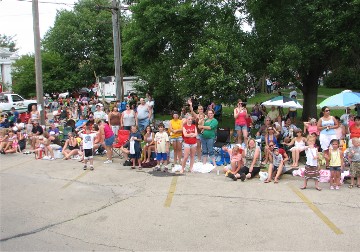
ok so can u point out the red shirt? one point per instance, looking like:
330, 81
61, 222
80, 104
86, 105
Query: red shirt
354, 131
189, 129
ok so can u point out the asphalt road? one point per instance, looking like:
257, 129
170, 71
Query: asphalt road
55, 205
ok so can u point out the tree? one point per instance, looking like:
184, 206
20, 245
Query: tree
55, 79
83, 37
305, 38
185, 47
8, 42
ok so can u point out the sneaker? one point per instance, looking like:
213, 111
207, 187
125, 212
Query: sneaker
242, 176
157, 168
52, 158
337, 188
332, 188
85, 167
91, 168
108, 161
232, 176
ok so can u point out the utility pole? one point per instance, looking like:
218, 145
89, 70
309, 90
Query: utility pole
115, 10
38, 63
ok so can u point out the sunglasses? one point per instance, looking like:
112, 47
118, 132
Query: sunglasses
270, 128
327, 110
271, 145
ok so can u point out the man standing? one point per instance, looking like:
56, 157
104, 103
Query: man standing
99, 113
143, 114
268, 85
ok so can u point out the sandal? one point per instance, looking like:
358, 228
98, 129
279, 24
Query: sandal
276, 181
132, 167
267, 181
351, 186
358, 186
318, 188
303, 188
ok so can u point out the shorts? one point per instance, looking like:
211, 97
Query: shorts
355, 168
325, 141
161, 156
335, 168
115, 129
176, 139
137, 155
109, 141
88, 154
190, 145
275, 168
198, 137
241, 127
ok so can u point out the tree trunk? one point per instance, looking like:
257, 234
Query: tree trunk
310, 92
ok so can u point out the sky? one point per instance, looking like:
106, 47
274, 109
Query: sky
16, 20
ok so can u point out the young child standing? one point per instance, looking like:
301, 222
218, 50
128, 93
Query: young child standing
354, 158
311, 167
336, 163
161, 147
88, 143
135, 149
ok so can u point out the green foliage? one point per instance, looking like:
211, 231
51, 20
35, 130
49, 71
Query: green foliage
83, 37
185, 47
302, 39
55, 79
343, 77
8, 42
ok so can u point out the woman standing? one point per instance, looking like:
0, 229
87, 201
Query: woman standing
190, 134
199, 116
240, 115
128, 118
107, 139
175, 129
327, 125
208, 137
115, 120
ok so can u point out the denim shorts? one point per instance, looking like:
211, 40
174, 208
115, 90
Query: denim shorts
241, 127
161, 156
109, 141
335, 168
176, 139
190, 145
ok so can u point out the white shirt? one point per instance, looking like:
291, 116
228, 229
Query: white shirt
310, 154
99, 114
88, 140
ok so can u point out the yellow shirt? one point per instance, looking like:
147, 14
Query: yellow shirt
175, 125
335, 159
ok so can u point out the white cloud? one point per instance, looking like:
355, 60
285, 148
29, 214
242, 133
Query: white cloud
16, 20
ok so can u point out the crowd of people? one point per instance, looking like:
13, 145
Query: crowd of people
276, 142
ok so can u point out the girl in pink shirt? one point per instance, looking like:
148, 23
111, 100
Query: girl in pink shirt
235, 158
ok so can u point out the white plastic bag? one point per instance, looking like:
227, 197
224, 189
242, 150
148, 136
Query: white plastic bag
263, 176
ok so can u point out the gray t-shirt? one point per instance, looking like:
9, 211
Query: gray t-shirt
277, 159
356, 155
142, 112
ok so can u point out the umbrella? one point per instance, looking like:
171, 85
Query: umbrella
344, 99
283, 101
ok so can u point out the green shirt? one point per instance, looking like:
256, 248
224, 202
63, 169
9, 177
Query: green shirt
213, 123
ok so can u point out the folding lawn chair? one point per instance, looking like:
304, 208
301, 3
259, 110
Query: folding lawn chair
222, 138
122, 137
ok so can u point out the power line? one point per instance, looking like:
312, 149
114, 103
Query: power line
46, 2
